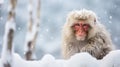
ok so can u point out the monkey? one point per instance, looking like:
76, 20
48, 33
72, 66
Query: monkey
82, 32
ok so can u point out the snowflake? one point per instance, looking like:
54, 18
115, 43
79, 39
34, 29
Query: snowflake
19, 28
47, 30
110, 17
115, 39
110, 21
105, 12
1, 18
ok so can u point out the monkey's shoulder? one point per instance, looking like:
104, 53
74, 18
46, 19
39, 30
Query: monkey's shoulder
99, 38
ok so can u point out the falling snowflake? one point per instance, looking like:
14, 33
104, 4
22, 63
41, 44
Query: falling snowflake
105, 12
1, 18
47, 30
110, 21
41, 35
115, 39
110, 17
19, 28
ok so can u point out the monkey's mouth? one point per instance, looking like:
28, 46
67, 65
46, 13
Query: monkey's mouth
80, 38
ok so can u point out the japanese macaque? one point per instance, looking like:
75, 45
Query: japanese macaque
82, 32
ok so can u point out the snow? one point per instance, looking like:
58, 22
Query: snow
47, 30
19, 62
19, 28
115, 39
110, 21
110, 17
77, 60
48, 61
30, 36
5, 54
10, 25
10, 8
82, 60
30, 8
112, 59
105, 12
1, 63
1, 18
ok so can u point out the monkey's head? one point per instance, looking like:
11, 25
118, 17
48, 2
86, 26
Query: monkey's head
81, 24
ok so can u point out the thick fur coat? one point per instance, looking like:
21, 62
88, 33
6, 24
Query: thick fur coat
98, 42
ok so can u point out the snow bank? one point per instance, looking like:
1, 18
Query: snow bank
78, 60
82, 60
46, 61
111, 60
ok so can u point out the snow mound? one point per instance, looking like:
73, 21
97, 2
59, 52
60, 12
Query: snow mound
82, 60
78, 60
111, 60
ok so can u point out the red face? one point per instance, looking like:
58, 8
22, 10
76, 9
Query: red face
81, 30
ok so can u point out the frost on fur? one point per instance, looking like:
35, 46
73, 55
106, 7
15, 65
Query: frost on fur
95, 40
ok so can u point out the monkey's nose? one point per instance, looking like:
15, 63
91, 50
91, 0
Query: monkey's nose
81, 33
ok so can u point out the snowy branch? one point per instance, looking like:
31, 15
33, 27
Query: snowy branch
7, 51
33, 28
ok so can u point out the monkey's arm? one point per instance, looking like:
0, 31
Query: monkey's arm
95, 51
97, 48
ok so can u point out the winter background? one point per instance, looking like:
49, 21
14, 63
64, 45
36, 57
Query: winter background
53, 16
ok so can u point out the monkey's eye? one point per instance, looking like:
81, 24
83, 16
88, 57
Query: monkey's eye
86, 26
75, 26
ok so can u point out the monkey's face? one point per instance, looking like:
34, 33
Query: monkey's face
81, 30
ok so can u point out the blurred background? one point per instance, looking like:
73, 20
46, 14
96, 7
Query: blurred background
53, 17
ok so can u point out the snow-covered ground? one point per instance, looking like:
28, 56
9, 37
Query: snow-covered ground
78, 60
111, 60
